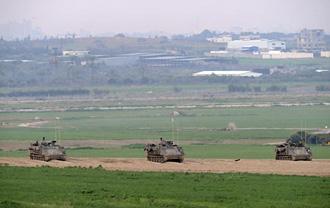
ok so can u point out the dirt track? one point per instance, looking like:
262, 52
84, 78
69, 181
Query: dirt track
310, 168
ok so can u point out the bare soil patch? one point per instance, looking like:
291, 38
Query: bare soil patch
308, 168
35, 124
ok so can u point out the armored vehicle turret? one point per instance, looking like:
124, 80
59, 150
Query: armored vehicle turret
46, 151
164, 151
292, 151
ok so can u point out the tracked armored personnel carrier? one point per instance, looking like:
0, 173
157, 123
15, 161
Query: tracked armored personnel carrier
292, 151
164, 151
46, 151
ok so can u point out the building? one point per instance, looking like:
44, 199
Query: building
75, 53
311, 40
325, 54
321, 70
179, 60
217, 52
256, 45
286, 55
221, 39
249, 37
227, 74
232, 54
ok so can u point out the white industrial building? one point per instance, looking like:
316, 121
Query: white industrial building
221, 39
217, 52
75, 53
261, 44
227, 74
321, 70
325, 54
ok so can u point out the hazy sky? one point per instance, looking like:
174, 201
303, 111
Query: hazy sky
171, 16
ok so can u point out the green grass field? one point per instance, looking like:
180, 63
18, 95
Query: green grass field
223, 151
191, 124
75, 187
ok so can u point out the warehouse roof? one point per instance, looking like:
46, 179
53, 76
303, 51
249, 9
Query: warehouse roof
227, 73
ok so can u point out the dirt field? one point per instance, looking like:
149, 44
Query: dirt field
309, 168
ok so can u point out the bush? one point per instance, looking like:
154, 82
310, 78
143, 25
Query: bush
239, 88
101, 92
45, 93
257, 89
303, 136
177, 89
322, 88
243, 88
275, 88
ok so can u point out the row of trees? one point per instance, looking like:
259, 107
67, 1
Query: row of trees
247, 88
322, 88
56, 92
302, 137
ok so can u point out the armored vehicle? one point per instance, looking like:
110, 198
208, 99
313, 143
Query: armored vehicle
292, 151
46, 151
164, 151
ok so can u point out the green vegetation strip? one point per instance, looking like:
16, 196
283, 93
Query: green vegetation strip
195, 123
203, 151
76, 187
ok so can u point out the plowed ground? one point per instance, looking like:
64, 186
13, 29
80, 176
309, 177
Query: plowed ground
309, 168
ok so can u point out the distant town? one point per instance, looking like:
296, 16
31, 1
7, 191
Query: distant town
120, 59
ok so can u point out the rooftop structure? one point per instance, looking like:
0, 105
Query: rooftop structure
75, 53
179, 60
221, 39
325, 54
256, 45
286, 55
227, 74
249, 37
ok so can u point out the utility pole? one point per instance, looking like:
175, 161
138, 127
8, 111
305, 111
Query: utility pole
172, 122
57, 128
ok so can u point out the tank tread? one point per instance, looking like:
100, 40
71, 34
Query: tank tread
309, 159
62, 158
283, 157
46, 158
156, 158
37, 157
